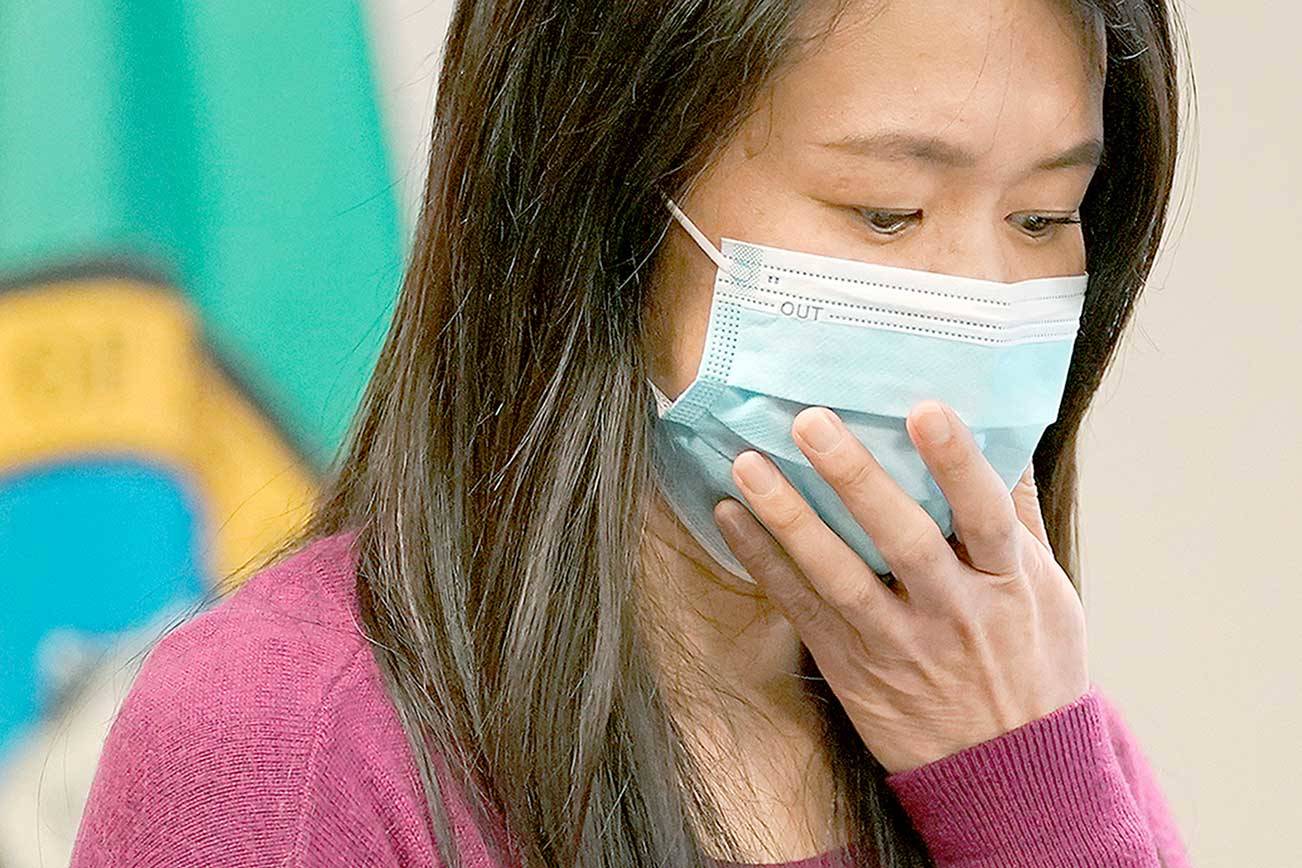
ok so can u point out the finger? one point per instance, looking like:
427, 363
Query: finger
1026, 500
834, 571
984, 518
902, 531
777, 575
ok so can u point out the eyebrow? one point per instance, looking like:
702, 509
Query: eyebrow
893, 145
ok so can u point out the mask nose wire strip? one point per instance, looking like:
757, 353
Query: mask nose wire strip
704, 243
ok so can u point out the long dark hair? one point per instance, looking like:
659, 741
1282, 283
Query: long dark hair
496, 470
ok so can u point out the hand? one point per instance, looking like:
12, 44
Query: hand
975, 639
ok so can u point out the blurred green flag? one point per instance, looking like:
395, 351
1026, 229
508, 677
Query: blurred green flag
199, 251
237, 145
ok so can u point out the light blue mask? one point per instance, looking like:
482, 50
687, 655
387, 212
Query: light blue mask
789, 330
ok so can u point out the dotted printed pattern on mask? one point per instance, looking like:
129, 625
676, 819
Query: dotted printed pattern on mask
752, 266
1061, 334
878, 309
721, 346
720, 363
922, 330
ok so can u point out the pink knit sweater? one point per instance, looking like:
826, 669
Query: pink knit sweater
259, 734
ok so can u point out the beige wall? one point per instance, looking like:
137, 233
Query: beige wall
1192, 466
1191, 458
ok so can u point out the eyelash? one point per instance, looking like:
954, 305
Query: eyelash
1047, 223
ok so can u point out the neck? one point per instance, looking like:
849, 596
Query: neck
730, 664
716, 634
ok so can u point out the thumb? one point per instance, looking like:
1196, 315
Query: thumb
1026, 500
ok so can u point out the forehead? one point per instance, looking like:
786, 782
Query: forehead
992, 75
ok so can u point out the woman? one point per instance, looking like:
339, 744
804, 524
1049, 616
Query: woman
511, 635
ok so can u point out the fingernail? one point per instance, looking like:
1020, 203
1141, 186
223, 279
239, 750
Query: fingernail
933, 423
756, 474
821, 429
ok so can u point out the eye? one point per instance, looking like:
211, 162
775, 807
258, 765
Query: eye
885, 221
1043, 225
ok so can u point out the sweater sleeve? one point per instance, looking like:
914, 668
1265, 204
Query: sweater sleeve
1069, 789
243, 743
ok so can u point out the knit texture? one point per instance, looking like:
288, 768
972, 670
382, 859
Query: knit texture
259, 733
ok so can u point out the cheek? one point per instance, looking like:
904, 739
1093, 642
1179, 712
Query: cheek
677, 318
1074, 253
1066, 255
689, 346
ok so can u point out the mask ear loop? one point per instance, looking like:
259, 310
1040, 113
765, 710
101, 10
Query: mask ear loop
724, 264
664, 402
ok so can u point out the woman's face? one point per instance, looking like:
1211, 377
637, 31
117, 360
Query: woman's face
930, 134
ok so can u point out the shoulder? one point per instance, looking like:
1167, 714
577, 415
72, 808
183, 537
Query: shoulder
292, 629
278, 650
260, 727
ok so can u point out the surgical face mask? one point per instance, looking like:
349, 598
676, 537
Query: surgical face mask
789, 330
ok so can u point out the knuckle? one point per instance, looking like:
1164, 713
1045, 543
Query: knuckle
786, 517
917, 551
1019, 589
763, 557
858, 598
805, 608
858, 474
993, 527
